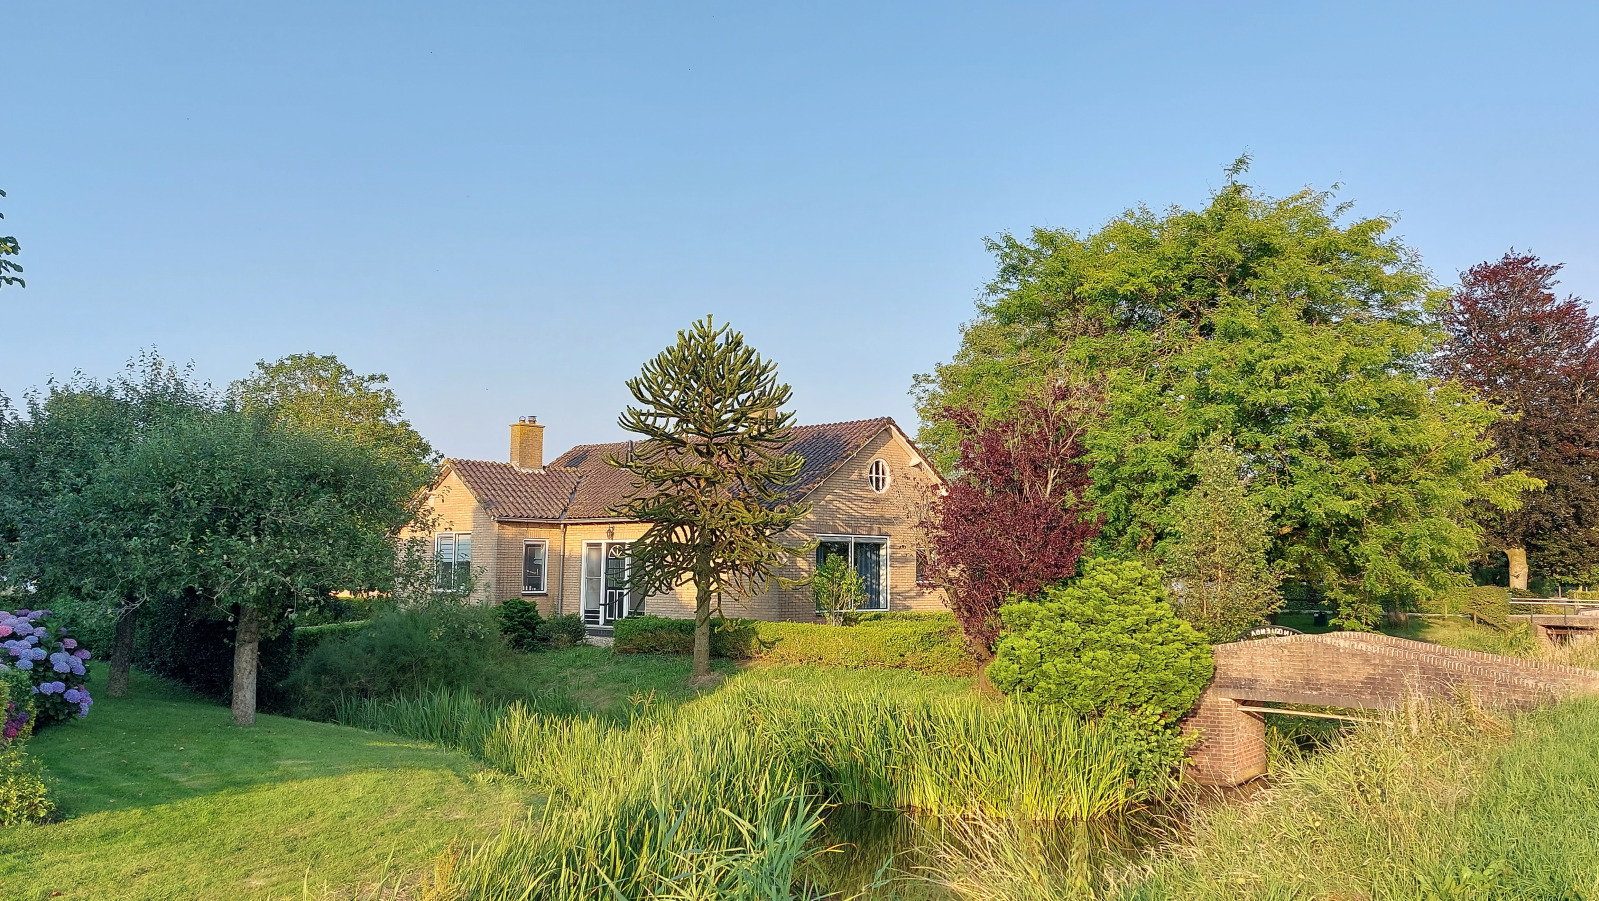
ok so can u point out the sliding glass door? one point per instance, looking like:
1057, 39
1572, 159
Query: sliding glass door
868, 556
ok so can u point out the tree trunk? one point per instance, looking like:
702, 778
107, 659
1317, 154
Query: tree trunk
1518, 567
701, 672
246, 662
122, 652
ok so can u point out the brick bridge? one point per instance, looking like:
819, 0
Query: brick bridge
1360, 670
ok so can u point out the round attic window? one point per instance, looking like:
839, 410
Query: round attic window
877, 475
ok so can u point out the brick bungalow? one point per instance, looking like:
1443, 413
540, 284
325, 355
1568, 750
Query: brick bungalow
545, 532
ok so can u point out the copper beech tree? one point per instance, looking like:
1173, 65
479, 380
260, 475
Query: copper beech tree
1013, 517
1537, 357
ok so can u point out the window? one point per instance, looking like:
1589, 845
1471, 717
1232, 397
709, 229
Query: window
868, 556
452, 553
534, 554
877, 476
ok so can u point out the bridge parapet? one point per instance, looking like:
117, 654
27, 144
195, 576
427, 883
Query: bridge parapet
1360, 670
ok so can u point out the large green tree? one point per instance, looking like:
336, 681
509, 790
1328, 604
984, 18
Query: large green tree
1298, 333
49, 459
319, 392
1536, 356
711, 470
255, 516
1218, 574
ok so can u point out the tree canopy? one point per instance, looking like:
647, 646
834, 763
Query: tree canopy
1013, 517
1299, 334
711, 470
318, 392
255, 516
1536, 356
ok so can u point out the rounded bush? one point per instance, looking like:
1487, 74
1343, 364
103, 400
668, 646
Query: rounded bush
520, 622
1106, 641
37, 644
563, 631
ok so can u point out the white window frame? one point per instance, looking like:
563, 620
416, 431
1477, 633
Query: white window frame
455, 543
872, 475
883, 540
544, 570
584, 593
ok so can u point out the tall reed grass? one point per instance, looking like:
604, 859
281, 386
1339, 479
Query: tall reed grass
1435, 801
729, 789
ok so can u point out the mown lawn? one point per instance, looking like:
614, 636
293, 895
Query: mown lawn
163, 797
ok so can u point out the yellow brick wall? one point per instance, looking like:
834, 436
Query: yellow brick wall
458, 511
844, 504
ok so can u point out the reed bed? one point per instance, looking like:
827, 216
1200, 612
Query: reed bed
1435, 801
729, 791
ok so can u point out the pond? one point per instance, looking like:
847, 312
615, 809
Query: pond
887, 855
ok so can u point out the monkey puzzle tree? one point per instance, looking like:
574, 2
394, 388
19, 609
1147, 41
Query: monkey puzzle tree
1536, 356
711, 472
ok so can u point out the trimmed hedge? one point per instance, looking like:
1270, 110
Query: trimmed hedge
925, 642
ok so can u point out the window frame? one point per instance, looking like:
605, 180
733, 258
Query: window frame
872, 473
438, 564
887, 568
544, 566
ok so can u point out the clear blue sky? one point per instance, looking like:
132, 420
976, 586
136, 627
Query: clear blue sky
508, 207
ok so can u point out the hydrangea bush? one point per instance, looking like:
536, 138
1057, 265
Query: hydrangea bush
38, 645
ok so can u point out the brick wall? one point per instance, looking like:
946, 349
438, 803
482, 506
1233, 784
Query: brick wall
1359, 670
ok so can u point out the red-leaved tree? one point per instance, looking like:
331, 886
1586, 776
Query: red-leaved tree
1013, 517
1537, 356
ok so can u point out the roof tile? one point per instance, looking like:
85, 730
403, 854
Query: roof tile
580, 484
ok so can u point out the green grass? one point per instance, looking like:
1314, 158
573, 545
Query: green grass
728, 785
1432, 803
163, 797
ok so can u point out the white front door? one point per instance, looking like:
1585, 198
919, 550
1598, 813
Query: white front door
606, 598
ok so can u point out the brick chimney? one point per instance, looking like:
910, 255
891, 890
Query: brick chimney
527, 444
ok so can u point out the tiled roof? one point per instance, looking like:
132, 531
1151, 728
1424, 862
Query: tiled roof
510, 493
824, 448
579, 484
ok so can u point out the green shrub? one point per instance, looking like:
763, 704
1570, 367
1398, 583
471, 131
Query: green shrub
837, 589
1102, 642
519, 623
16, 705
190, 641
925, 642
306, 639
24, 791
664, 635
404, 651
563, 631
1487, 605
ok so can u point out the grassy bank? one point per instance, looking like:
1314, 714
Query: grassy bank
729, 787
1439, 802
163, 797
